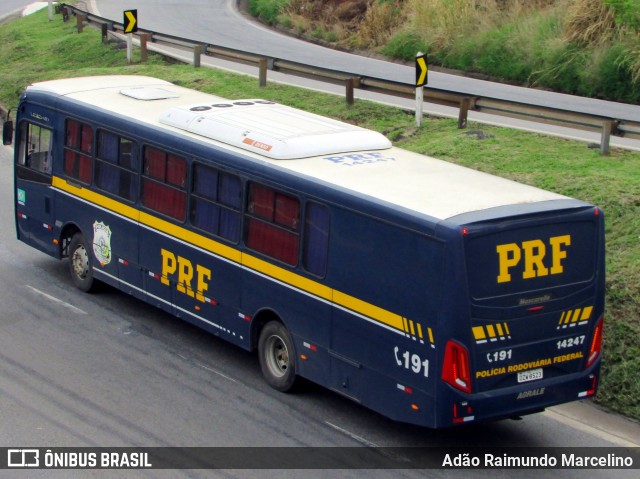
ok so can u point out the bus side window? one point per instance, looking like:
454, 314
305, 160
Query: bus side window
35, 147
164, 183
117, 165
78, 151
215, 202
273, 223
316, 239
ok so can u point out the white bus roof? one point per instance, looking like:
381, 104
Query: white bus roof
330, 151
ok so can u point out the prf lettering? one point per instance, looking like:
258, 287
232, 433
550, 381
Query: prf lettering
530, 255
182, 268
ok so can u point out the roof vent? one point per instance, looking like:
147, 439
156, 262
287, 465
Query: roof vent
275, 131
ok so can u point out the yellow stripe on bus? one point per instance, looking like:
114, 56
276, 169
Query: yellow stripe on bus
100, 200
288, 277
313, 287
368, 309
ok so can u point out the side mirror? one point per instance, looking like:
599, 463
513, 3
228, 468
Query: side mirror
7, 133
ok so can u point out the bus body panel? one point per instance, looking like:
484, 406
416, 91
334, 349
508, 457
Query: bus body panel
512, 291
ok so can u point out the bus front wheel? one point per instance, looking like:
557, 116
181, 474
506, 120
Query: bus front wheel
80, 263
277, 356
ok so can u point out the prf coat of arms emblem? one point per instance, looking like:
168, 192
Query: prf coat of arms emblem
102, 242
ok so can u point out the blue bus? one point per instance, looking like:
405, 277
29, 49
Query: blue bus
431, 293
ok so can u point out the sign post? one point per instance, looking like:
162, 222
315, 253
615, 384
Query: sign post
422, 71
130, 23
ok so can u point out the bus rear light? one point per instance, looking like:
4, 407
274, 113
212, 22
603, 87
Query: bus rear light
596, 343
455, 369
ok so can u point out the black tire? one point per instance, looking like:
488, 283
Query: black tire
80, 263
277, 356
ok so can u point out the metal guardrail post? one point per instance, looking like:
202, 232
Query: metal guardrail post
144, 38
197, 52
463, 113
80, 22
350, 84
262, 72
104, 29
607, 128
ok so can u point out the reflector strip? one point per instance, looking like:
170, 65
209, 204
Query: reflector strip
492, 332
483, 334
406, 389
575, 317
586, 313
479, 334
310, 346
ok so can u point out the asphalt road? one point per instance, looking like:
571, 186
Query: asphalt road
218, 22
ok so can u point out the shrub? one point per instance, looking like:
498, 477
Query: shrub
267, 10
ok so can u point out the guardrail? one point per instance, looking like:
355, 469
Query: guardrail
464, 102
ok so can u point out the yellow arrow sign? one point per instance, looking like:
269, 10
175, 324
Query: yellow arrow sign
130, 21
421, 70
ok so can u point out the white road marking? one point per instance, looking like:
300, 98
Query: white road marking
56, 300
207, 368
352, 435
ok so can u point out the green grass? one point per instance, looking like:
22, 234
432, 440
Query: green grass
35, 49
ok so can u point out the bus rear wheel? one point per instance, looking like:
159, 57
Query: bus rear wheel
277, 356
80, 265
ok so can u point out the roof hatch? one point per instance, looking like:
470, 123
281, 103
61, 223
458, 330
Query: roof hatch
273, 130
148, 93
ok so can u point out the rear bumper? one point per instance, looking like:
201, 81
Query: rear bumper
459, 408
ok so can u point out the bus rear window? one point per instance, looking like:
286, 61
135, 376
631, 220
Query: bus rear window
529, 259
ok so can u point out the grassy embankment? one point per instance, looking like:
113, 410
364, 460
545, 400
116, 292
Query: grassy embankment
35, 49
584, 47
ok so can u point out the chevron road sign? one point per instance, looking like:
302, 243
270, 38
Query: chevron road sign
422, 69
130, 21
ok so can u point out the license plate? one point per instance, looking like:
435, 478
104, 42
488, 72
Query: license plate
531, 375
